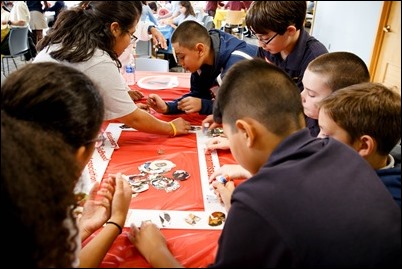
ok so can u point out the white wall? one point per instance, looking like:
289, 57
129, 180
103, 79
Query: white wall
347, 26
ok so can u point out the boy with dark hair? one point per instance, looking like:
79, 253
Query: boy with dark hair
325, 74
367, 117
303, 205
279, 28
207, 55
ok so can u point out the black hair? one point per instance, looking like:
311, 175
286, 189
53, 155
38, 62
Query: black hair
59, 98
82, 29
257, 89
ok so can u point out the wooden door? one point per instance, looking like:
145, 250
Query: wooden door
385, 66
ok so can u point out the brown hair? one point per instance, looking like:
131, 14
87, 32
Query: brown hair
367, 109
340, 69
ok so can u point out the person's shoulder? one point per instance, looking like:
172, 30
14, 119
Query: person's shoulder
396, 154
313, 43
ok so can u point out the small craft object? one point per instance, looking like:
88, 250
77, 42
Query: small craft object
216, 218
140, 188
180, 175
165, 219
164, 183
195, 128
215, 132
138, 182
156, 167
192, 219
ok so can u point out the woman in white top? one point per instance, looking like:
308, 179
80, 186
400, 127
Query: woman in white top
18, 17
91, 38
186, 13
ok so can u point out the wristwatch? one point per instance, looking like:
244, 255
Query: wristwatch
9, 22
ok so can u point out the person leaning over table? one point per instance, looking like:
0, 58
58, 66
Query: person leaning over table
208, 55
91, 37
62, 101
283, 40
303, 206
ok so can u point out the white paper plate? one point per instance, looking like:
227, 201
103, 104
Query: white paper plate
158, 82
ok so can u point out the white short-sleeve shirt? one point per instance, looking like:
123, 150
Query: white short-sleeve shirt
20, 12
103, 72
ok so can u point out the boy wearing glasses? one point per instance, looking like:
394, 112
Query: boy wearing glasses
283, 41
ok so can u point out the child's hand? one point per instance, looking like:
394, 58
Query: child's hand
224, 192
231, 170
97, 208
189, 104
121, 200
147, 239
156, 102
135, 95
218, 142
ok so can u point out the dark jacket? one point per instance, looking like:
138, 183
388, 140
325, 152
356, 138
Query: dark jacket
224, 45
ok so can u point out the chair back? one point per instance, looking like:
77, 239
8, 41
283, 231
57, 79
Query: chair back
143, 48
151, 64
18, 41
209, 22
235, 17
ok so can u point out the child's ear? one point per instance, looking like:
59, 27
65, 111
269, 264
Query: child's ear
246, 131
365, 145
200, 47
83, 154
291, 29
115, 29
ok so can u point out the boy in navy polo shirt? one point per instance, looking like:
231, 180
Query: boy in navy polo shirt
208, 55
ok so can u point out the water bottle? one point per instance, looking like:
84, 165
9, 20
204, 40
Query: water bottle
130, 74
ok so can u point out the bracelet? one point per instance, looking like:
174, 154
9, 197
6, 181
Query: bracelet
174, 128
117, 225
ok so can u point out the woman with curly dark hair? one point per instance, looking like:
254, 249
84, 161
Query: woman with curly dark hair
38, 173
62, 102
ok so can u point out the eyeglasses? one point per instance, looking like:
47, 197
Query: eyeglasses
99, 140
266, 42
133, 38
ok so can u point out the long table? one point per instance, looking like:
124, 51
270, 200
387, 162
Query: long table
192, 247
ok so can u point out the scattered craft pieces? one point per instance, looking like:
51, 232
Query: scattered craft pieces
192, 219
165, 219
195, 128
215, 132
180, 175
216, 218
156, 167
141, 188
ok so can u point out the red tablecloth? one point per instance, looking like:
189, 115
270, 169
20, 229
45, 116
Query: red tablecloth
193, 248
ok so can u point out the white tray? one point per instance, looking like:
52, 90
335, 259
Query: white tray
158, 82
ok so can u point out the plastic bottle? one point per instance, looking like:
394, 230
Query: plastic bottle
205, 128
130, 73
